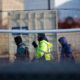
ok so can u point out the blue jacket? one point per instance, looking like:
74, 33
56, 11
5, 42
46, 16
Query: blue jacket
66, 51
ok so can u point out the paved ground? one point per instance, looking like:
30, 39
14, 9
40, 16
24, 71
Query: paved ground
23, 70
26, 70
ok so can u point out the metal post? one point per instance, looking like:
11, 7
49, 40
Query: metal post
49, 5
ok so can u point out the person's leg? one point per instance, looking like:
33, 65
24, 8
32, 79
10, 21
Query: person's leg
70, 58
35, 59
62, 58
42, 59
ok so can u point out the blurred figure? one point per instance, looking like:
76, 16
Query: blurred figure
66, 51
22, 50
42, 49
69, 22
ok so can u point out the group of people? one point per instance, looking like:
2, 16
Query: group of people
43, 49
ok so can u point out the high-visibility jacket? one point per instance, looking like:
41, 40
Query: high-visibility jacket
43, 49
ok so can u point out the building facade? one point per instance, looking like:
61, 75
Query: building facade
10, 5
5, 7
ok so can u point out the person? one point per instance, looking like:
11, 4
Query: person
68, 23
42, 48
22, 50
66, 50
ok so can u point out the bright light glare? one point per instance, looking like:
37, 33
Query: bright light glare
60, 2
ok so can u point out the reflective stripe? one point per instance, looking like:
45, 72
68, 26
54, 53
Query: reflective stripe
48, 56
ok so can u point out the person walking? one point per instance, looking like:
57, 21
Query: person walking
22, 52
66, 50
42, 49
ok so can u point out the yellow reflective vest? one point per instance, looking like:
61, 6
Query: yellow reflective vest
43, 49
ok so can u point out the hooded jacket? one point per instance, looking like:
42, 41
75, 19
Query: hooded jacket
43, 49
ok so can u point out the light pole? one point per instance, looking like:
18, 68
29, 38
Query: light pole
49, 4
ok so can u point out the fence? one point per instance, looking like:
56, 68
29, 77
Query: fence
36, 20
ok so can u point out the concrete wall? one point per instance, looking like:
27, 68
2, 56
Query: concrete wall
9, 5
34, 20
6, 6
0, 5
0, 10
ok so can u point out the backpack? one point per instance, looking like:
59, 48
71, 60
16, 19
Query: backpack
22, 51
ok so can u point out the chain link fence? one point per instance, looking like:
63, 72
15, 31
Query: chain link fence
38, 20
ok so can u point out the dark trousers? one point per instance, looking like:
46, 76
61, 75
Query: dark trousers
41, 59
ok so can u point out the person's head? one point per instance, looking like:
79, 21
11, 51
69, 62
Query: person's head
41, 36
62, 40
18, 40
69, 20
